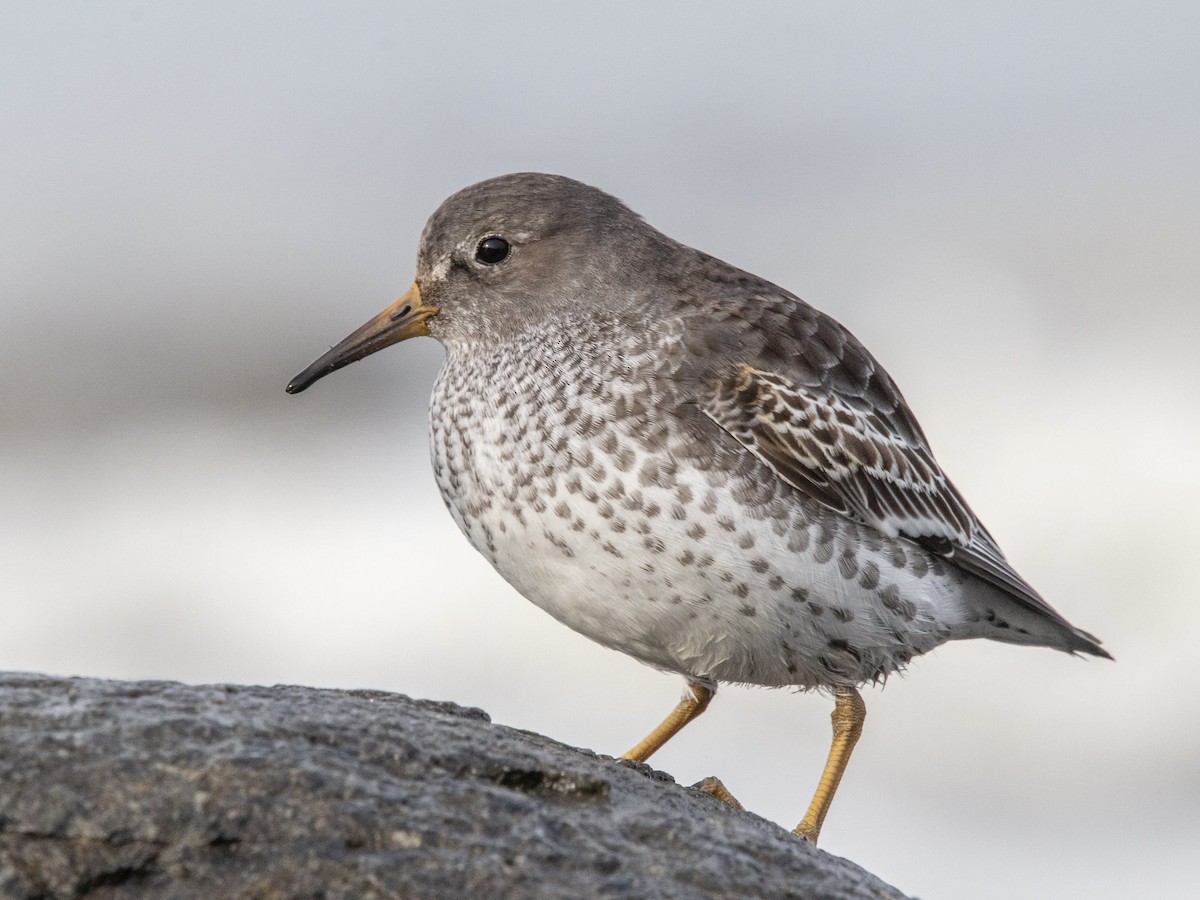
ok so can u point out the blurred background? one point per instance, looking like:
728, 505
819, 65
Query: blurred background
1003, 202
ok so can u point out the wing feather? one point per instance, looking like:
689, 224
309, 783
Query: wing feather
801, 393
862, 467
856, 461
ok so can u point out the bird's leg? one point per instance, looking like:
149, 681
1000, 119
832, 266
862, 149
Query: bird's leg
694, 702
849, 711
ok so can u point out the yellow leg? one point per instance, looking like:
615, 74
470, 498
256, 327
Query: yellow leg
849, 712
689, 707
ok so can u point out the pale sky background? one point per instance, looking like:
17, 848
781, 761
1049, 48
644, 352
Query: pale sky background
1002, 201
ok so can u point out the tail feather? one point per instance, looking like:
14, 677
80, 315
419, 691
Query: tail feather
998, 616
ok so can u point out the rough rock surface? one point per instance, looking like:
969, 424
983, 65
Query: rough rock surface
156, 789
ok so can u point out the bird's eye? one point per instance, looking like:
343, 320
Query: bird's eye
492, 250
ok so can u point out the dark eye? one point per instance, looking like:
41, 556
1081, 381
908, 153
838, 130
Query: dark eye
492, 250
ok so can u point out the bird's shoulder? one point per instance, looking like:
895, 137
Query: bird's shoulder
731, 322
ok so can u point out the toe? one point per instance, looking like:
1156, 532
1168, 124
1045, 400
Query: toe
712, 785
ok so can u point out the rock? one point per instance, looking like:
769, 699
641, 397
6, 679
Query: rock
157, 789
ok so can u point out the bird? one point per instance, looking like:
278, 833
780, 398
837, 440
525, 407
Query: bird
687, 463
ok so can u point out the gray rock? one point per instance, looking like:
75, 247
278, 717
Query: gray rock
156, 789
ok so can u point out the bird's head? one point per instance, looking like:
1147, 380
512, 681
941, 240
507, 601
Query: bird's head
504, 254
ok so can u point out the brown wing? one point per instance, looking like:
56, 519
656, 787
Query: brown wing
869, 463
794, 387
853, 458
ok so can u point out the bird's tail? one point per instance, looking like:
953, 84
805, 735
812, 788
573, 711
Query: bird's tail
998, 616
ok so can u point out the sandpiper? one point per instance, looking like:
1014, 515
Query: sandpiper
687, 463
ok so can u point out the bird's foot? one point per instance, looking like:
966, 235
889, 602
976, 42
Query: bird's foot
712, 785
806, 831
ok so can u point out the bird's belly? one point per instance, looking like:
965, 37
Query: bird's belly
686, 573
